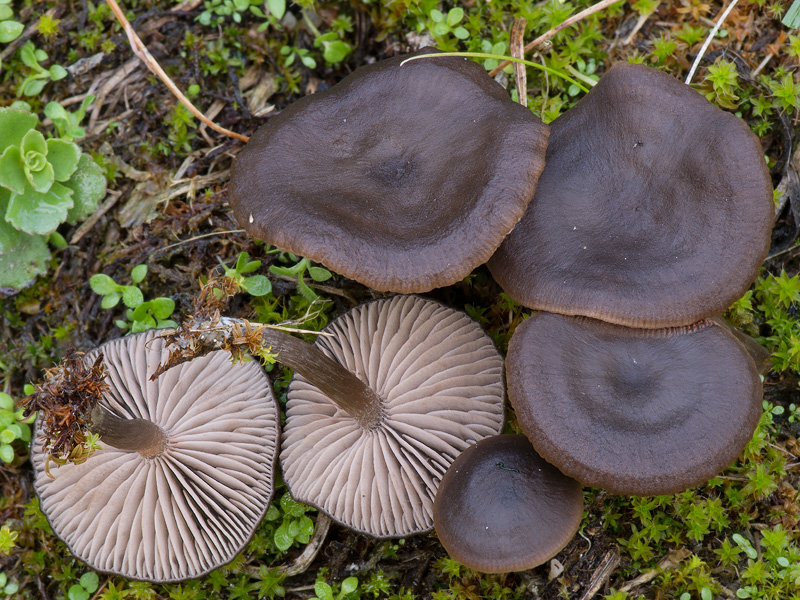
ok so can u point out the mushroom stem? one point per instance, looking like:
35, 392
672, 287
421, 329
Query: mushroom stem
135, 435
341, 386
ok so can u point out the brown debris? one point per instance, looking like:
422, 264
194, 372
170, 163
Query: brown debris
64, 401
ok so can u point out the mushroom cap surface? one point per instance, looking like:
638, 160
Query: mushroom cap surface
654, 209
441, 380
191, 509
501, 507
633, 411
404, 178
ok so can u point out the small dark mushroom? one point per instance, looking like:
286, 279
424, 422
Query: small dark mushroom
633, 411
501, 507
404, 178
654, 209
186, 469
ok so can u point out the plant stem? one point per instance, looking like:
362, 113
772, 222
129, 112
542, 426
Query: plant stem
342, 387
134, 435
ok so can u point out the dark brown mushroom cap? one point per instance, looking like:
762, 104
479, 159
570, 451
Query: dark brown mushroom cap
404, 178
501, 507
441, 381
191, 509
640, 412
654, 209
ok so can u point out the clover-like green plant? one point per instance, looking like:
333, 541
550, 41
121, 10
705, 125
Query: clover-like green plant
43, 183
140, 315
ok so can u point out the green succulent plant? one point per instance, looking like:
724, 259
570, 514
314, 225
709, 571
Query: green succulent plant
43, 183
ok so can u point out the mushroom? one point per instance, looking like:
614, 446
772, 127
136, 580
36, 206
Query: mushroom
404, 178
633, 411
185, 473
500, 507
654, 209
439, 381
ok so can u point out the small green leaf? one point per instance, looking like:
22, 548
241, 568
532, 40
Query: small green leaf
14, 124
281, 537
323, 591
5, 13
454, 16
335, 52
258, 285
436, 15
111, 300
103, 284
162, 307
349, 585
57, 240
88, 185
132, 296
277, 8
7, 436
461, 33
12, 172
64, 157
10, 30
16, 431
745, 545
33, 87
11, 588
27, 259
58, 72
90, 582
138, 273
27, 55
143, 325
76, 592
6, 453
39, 213
319, 274
6, 403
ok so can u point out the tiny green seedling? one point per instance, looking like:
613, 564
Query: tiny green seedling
140, 315
86, 586
324, 592
66, 123
298, 270
296, 527
34, 83
255, 285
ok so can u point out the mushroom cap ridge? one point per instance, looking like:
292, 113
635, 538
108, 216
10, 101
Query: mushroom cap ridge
633, 411
501, 507
404, 178
182, 514
442, 382
654, 208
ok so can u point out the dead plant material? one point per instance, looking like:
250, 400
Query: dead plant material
64, 401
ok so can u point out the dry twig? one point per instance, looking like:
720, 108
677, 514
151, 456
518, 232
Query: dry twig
140, 50
546, 36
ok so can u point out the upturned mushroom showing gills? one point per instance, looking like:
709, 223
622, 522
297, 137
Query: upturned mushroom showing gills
404, 178
633, 411
439, 383
185, 473
654, 209
501, 507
